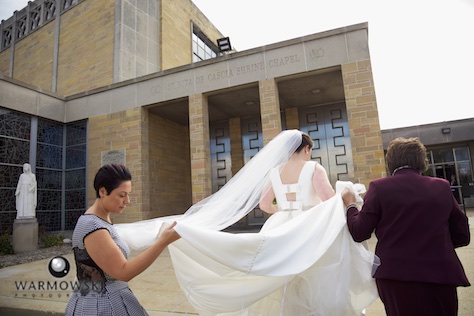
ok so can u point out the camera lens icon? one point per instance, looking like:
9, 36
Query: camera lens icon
58, 267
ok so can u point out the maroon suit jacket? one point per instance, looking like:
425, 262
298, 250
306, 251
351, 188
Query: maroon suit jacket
418, 223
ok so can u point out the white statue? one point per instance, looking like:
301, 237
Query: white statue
26, 194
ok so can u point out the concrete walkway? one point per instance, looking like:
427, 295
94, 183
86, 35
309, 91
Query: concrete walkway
30, 289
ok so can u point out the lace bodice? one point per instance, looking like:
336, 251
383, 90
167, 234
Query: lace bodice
90, 276
305, 195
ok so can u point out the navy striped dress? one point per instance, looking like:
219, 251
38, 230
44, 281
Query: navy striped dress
97, 293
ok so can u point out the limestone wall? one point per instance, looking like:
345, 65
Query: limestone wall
5, 62
123, 130
169, 166
33, 62
86, 47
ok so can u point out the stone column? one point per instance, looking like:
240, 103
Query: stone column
269, 109
236, 150
57, 29
363, 121
200, 147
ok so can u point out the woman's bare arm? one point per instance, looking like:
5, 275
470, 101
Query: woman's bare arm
321, 183
107, 255
266, 201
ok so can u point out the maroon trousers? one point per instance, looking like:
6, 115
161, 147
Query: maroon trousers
403, 298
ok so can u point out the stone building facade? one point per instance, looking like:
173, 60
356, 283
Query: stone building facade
185, 128
72, 46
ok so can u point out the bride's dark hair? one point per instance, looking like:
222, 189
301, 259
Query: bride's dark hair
305, 141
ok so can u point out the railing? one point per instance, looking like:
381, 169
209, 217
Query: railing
30, 18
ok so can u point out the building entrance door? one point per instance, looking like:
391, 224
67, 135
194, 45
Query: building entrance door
327, 126
221, 165
454, 165
252, 142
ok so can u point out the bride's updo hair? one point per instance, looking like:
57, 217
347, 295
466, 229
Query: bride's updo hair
406, 152
305, 141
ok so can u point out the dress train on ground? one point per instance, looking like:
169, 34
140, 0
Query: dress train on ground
308, 265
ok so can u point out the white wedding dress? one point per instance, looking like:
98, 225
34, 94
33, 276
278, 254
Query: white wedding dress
302, 262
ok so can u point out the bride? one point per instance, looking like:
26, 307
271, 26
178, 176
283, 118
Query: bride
302, 262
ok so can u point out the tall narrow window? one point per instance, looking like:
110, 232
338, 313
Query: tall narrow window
203, 48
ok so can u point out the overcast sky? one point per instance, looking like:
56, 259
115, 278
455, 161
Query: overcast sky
422, 51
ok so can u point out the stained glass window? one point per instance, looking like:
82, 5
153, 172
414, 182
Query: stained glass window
61, 182
76, 156
13, 124
15, 131
76, 159
14, 151
50, 132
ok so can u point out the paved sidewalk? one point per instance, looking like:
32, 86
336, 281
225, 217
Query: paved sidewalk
30, 289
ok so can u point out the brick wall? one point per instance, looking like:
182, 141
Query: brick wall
86, 47
33, 62
292, 118
129, 130
363, 120
5, 62
170, 167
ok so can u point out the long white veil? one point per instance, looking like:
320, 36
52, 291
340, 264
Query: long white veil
239, 196
242, 193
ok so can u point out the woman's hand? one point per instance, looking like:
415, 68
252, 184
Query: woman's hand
348, 197
169, 235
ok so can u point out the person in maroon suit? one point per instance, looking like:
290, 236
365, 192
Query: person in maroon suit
418, 225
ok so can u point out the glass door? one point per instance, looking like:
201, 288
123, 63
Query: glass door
454, 165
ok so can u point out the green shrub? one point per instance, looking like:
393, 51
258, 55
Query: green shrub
51, 240
5, 245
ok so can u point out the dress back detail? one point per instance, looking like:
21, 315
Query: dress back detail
87, 269
303, 190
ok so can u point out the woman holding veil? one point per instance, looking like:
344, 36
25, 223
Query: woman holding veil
302, 262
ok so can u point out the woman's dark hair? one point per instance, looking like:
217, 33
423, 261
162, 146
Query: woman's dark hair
305, 141
406, 152
110, 177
